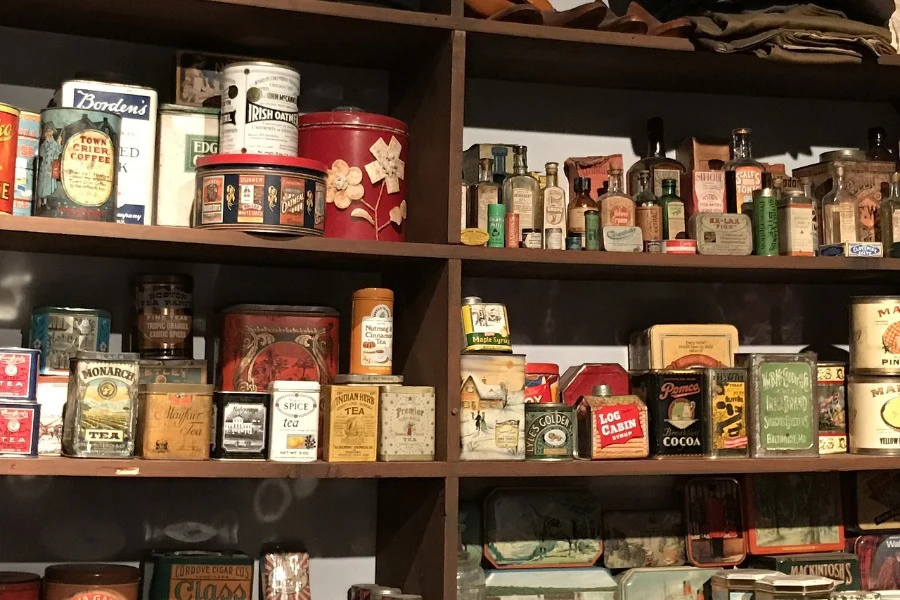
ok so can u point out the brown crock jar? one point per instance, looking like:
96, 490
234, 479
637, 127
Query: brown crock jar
91, 582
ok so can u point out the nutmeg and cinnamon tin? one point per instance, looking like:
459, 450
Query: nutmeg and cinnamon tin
263, 343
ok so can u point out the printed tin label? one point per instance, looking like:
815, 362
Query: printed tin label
728, 411
485, 327
675, 401
176, 424
18, 375
294, 430
244, 427
786, 406
164, 318
102, 403
9, 133
259, 109
60, 335
406, 427
875, 335
183, 138
617, 424
19, 429
377, 338
549, 432
832, 405
352, 423
206, 580
874, 415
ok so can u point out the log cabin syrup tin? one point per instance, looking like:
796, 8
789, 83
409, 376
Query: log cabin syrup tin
241, 425
612, 426
9, 143
18, 374
875, 335
175, 421
59, 333
19, 586
294, 421
874, 415
406, 423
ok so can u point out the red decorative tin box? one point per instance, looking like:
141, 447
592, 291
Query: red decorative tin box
366, 158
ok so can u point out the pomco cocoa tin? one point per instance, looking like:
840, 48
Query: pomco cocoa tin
18, 373
294, 421
263, 343
875, 335
9, 136
675, 401
93, 581
549, 431
163, 315
59, 333
874, 415
19, 428
19, 586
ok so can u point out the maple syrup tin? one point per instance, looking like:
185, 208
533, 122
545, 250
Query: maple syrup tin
366, 157
91, 582
259, 193
874, 415
241, 425
59, 333
19, 428
549, 432
875, 335
18, 373
19, 586
294, 421
676, 404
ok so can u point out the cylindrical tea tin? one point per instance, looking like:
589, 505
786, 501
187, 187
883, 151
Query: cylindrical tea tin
549, 431
259, 109
78, 165
163, 315
59, 333
263, 343
9, 143
19, 586
241, 429
103, 582
366, 158
260, 194
372, 337
874, 415
18, 374
875, 335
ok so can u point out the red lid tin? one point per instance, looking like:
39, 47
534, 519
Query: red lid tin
261, 160
543, 368
352, 117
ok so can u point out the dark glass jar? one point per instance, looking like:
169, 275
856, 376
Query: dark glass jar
163, 316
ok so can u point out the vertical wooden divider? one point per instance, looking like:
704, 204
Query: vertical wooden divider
457, 123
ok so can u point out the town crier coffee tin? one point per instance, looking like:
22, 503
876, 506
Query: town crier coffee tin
19, 586
366, 159
18, 373
78, 165
875, 335
263, 343
163, 315
91, 582
9, 143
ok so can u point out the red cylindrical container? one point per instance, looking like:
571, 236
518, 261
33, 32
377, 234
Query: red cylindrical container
512, 230
19, 586
9, 140
366, 158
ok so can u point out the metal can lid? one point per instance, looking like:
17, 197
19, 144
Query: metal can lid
10, 577
10, 110
369, 379
175, 388
92, 574
873, 299
842, 155
472, 300
281, 308
496, 210
542, 368
351, 116
546, 406
189, 110
260, 63
794, 583
294, 386
65, 310
261, 160
374, 294
601, 390
741, 579
108, 356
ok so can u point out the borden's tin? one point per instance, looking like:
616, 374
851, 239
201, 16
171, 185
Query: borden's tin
549, 431
9, 136
78, 164
875, 335
874, 415
259, 109
59, 333
18, 374
260, 194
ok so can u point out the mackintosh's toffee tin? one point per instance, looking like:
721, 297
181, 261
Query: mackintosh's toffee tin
18, 373
675, 401
549, 431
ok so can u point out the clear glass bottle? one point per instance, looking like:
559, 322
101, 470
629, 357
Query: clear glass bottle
469, 576
465, 204
890, 217
673, 212
743, 175
616, 207
648, 214
878, 148
840, 211
500, 173
656, 162
522, 194
578, 205
481, 194
806, 185
554, 210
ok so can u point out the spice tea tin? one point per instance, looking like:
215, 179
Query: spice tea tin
285, 576
580, 380
675, 402
549, 432
789, 587
263, 343
875, 335
542, 383
485, 326
19, 586
163, 315
715, 522
372, 336
406, 423
682, 583
175, 421
612, 427
736, 584
19, 428
18, 373
842, 567
51, 395
172, 371
59, 333
194, 575
832, 406
726, 403
349, 423
241, 425
492, 407
648, 538
874, 418
683, 347
259, 109
78, 165
294, 421
877, 505
64, 582
102, 405
9, 142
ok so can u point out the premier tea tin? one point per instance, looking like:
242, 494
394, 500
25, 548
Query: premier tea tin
294, 421
19, 428
549, 432
9, 136
406, 416
163, 315
675, 401
59, 333
874, 415
875, 335
241, 430
175, 421
18, 374
259, 193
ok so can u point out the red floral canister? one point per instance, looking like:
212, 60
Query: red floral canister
366, 158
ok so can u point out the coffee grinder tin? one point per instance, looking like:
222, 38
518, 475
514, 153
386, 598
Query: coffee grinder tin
675, 401
241, 425
59, 333
549, 432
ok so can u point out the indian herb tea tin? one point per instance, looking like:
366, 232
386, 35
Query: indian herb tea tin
793, 587
260, 193
406, 423
831, 401
285, 576
59, 333
612, 427
492, 407
102, 405
874, 421
683, 347
19, 428
875, 335
51, 395
736, 584
9, 141
349, 423
715, 522
372, 336
78, 165
726, 403
175, 420
811, 522
645, 538
18, 374
542, 383
580, 380
664, 582
485, 326
876, 500
19, 586
842, 567
783, 413
163, 316
241, 430
294, 421
172, 371
263, 343
197, 575
549, 432
677, 409
91, 581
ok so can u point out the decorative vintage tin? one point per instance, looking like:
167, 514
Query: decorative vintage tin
492, 407
196, 575
588, 583
263, 343
163, 315
832, 407
18, 374
9, 136
382, 381
810, 522
259, 193
580, 380
26, 156
878, 500
259, 109
285, 576
485, 326
241, 426
172, 371
675, 402
512, 541
185, 134
612, 427
175, 420
783, 414
715, 522
294, 421
512, 230
372, 336
621, 238
736, 584
549, 432
349, 423
864, 546
793, 587
874, 421
796, 224
726, 403
137, 107
875, 335
51, 395
722, 234
59, 333
19, 586
679, 246
647, 538
853, 250
406, 423
367, 155
198, 77
29, 125
78, 165
878, 557
19, 428
542, 383
664, 582
91, 581
683, 347
842, 567
364, 591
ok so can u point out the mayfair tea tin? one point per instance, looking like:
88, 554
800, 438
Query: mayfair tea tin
175, 421
675, 402
19, 428
241, 425
18, 374
875, 335
715, 522
196, 575
59, 333
549, 432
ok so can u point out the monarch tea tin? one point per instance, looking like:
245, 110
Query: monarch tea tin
9, 136
19, 428
78, 165
874, 415
831, 401
59, 333
294, 421
406, 423
549, 431
241, 425
875, 335
485, 326
175, 421
163, 306
18, 374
